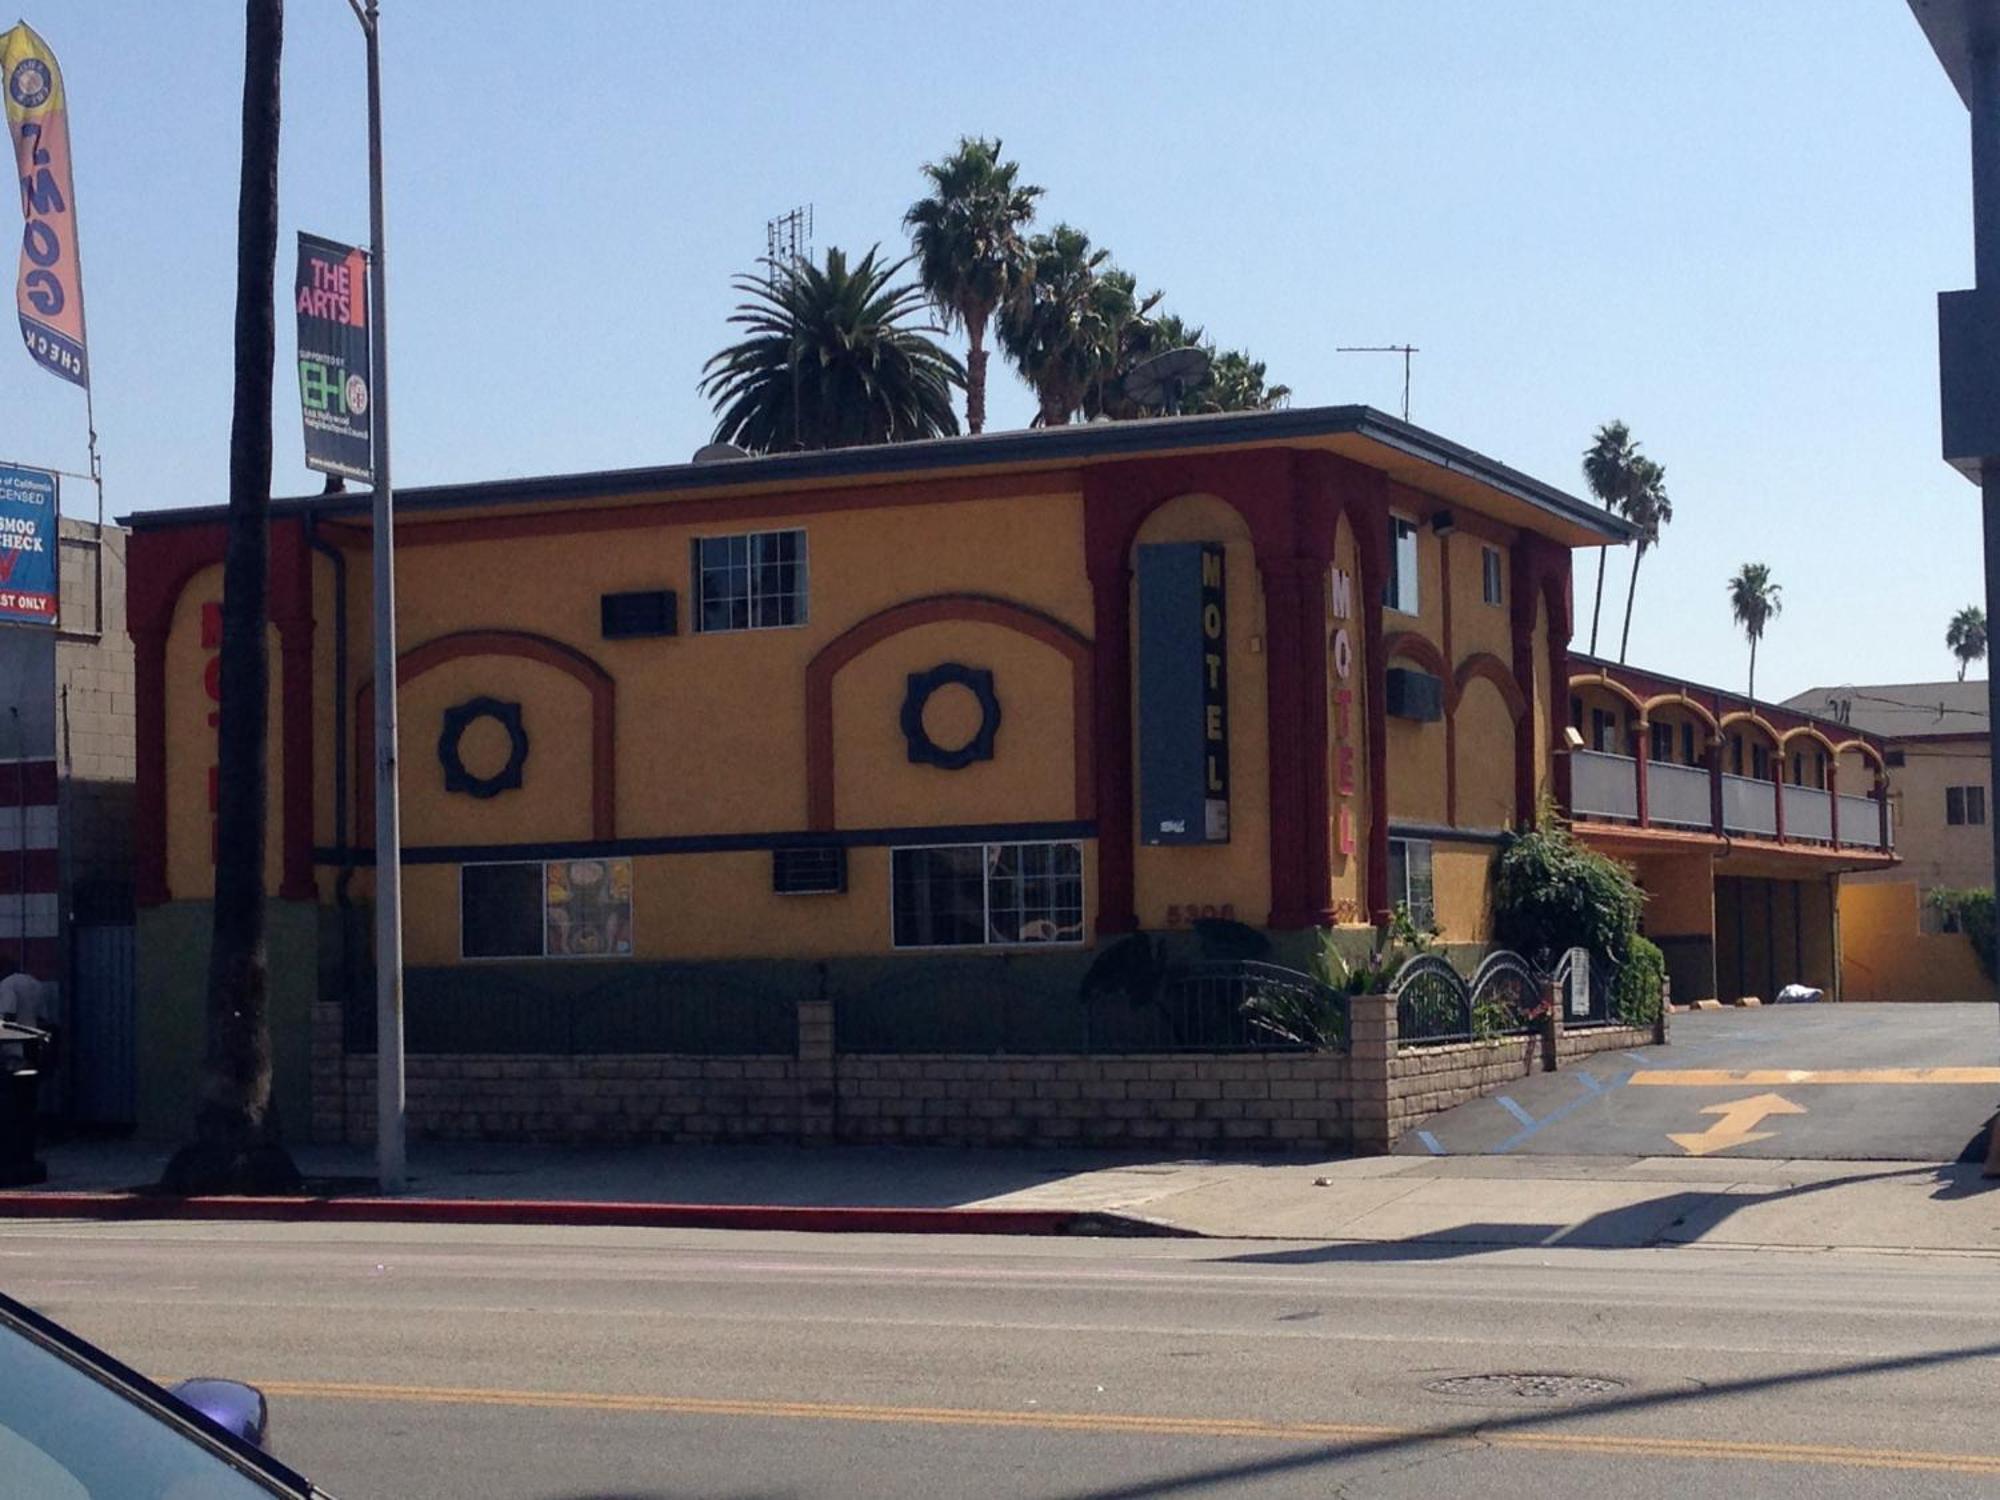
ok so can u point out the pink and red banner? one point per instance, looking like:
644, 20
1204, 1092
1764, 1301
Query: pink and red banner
50, 290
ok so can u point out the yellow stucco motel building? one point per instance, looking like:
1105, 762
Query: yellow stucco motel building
908, 733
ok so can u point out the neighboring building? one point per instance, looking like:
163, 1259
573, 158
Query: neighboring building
1742, 818
66, 781
910, 728
1940, 785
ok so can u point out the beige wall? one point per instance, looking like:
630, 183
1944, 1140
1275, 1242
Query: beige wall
1933, 852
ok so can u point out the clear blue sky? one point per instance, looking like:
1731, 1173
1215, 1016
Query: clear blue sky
1723, 222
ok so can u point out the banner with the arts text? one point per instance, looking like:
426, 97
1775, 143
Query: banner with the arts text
331, 293
49, 293
29, 502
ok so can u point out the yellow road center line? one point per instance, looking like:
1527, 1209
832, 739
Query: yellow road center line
1983, 1464
1722, 1078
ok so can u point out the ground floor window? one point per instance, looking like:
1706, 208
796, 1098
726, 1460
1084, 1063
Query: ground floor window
557, 908
1410, 880
986, 895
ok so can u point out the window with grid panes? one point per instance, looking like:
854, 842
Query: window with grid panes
756, 581
986, 895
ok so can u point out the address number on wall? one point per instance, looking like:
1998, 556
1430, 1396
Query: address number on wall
1184, 916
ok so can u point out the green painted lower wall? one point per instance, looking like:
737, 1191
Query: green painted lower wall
172, 984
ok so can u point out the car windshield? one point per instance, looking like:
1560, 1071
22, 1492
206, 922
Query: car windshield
65, 1434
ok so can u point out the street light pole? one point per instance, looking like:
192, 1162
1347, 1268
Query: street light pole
389, 1100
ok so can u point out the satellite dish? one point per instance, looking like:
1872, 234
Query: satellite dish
1165, 378
715, 453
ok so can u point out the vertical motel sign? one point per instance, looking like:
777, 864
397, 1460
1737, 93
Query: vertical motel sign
1183, 694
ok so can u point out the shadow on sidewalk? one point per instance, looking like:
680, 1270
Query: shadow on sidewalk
1673, 1219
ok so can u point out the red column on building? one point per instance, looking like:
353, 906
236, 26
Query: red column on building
1833, 798
1778, 792
1111, 700
1641, 749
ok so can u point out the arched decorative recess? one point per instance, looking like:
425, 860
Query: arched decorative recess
523, 646
983, 609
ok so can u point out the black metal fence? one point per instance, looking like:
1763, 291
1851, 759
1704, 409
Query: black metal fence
1586, 989
1435, 1003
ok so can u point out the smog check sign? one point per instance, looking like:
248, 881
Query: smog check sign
28, 507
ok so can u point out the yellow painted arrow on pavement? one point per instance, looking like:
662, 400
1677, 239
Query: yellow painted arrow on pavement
1733, 1129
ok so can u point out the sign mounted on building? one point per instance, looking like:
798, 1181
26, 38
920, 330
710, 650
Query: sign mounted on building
1183, 694
49, 292
28, 507
332, 298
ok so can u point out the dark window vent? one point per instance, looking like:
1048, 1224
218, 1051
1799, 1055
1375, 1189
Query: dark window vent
1410, 694
820, 870
1893, 757
628, 616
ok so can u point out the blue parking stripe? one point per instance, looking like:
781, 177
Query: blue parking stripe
1516, 1111
1590, 1083
1431, 1143
1570, 1108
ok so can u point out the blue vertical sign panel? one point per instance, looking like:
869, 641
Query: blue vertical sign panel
28, 506
1183, 694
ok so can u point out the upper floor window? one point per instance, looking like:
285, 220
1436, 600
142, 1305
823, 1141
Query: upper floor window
756, 581
1965, 804
1401, 594
1603, 732
1687, 745
1489, 575
1663, 743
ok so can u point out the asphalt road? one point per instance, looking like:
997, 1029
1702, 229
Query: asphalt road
1858, 1083
535, 1364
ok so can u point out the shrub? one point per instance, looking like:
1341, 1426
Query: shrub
1969, 912
1552, 894
1641, 983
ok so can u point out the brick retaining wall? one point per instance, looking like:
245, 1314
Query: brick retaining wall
1361, 1100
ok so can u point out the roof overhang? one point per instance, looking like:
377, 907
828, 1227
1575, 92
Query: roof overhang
1956, 29
1406, 453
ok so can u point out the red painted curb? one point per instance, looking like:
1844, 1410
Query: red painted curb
815, 1220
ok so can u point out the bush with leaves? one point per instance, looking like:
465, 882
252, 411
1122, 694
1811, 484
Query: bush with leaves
1551, 894
1969, 912
1641, 983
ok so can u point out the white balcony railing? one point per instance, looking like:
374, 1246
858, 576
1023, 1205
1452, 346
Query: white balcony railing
1749, 805
1603, 786
1808, 814
1678, 796
1861, 823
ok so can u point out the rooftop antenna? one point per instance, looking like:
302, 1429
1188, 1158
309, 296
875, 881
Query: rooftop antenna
1406, 350
788, 238
1165, 378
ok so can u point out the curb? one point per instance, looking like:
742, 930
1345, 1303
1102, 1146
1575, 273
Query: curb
801, 1220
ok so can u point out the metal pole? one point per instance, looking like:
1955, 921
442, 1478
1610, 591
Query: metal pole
1986, 268
389, 1154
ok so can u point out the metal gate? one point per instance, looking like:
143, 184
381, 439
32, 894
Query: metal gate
103, 1026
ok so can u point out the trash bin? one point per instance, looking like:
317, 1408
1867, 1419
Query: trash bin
20, 1087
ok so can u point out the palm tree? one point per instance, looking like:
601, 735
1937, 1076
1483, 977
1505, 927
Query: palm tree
1607, 469
971, 256
1064, 332
830, 361
1755, 601
236, 1147
1236, 383
1649, 509
1966, 635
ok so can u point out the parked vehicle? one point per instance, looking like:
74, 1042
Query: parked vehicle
75, 1424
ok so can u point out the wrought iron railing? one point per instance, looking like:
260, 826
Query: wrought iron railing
1228, 1005
1586, 989
1505, 996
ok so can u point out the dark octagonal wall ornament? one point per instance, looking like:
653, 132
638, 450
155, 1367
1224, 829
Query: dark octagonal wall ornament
924, 751
461, 717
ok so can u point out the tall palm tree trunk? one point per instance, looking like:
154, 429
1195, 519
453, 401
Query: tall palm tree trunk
975, 374
1753, 669
1631, 589
235, 1146
1598, 606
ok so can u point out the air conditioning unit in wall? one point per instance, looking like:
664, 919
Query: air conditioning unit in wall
1410, 694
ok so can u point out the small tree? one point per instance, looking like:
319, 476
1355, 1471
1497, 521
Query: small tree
1551, 893
1966, 636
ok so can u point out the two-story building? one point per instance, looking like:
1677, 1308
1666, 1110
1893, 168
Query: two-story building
1740, 817
916, 727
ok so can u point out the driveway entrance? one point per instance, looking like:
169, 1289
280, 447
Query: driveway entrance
1824, 1082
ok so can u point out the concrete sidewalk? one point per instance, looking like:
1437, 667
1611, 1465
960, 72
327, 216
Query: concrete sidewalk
1417, 1205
